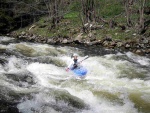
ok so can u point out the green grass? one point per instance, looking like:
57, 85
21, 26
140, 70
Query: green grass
71, 15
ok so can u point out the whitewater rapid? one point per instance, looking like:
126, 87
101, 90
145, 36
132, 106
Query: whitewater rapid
116, 82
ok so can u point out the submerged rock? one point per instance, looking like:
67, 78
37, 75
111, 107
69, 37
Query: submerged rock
70, 99
21, 78
25, 50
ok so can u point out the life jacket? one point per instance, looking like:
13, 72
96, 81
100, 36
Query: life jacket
75, 65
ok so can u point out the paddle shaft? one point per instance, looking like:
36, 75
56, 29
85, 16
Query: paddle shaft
85, 58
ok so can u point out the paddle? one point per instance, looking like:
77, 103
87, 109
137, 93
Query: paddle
86, 57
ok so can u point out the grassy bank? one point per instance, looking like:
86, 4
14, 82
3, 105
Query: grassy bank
71, 24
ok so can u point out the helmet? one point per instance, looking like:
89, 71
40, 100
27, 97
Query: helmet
73, 55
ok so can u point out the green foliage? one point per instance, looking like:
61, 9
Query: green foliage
71, 15
75, 6
110, 10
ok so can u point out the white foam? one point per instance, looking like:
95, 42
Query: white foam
103, 76
16, 64
142, 60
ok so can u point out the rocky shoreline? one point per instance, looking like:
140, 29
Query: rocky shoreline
140, 46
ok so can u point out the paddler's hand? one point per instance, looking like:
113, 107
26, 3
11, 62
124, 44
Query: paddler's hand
67, 69
80, 62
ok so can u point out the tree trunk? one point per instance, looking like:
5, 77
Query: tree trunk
141, 11
128, 11
88, 9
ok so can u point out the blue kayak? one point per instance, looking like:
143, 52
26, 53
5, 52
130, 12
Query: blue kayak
80, 71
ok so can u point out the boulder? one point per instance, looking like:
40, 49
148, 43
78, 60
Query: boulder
139, 52
25, 50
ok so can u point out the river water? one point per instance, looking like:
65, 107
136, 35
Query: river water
34, 76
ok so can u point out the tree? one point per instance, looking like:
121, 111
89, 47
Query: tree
127, 5
88, 15
141, 12
56, 10
88, 10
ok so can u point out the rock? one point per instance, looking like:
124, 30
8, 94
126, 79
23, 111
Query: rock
31, 38
93, 42
65, 41
112, 44
134, 34
147, 51
145, 41
25, 50
119, 44
50, 41
105, 43
22, 77
127, 31
2, 50
79, 37
96, 27
23, 33
139, 52
127, 46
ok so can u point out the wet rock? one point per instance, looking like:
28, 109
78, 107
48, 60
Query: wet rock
21, 77
50, 41
129, 45
93, 43
52, 52
25, 50
139, 52
147, 51
71, 100
32, 38
2, 50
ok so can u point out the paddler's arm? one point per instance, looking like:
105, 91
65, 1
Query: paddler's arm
69, 66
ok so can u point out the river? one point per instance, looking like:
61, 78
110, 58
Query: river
33, 78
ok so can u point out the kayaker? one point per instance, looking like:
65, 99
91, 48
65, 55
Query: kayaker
74, 63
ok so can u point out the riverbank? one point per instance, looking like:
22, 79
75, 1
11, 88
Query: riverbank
140, 46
